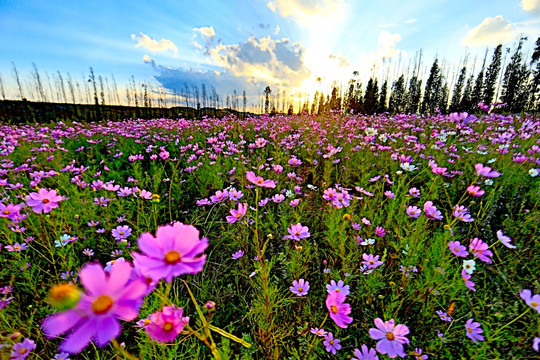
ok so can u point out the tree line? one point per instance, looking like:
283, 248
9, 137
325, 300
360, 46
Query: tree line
506, 77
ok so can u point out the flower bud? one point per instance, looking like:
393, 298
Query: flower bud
64, 296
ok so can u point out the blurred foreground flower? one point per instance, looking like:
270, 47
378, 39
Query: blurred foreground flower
171, 253
107, 299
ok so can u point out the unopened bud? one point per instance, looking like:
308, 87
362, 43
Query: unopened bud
64, 296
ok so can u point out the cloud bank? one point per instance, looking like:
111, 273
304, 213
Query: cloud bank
491, 31
147, 42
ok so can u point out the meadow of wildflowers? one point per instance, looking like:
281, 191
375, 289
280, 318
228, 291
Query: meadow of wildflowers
339, 236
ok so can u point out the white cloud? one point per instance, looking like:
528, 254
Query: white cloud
207, 32
274, 62
276, 30
387, 44
306, 9
410, 21
491, 31
147, 59
147, 42
531, 5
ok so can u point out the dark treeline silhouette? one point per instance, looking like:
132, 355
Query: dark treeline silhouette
505, 77
515, 83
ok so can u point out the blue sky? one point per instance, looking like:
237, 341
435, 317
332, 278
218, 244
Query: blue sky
247, 45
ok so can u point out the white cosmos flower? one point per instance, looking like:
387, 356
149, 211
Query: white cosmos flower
469, 266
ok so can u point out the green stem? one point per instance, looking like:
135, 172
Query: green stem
511, 322
315, 338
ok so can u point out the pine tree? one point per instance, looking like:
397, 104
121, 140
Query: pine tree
458, 89
315, 102
514, 92
267, 92
431, 92
398, 97
492, 73
322, 107
466, 103
382, 98
535, 83
414, 94
371, 101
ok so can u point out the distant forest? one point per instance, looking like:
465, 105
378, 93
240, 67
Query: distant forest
506, 77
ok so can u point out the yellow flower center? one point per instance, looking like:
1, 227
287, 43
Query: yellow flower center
102, 304
45, 201
172, 257
534, 304
7, 212
334, 309
23, 351
168, 326
331, 342
260, 181
390, 336
300, 289
469, 330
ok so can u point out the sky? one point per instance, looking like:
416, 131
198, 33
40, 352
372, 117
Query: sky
297, 46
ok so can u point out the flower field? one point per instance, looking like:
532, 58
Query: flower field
288, 237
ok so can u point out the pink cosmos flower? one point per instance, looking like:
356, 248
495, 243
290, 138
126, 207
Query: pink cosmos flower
21, 350
43, 201
473, 331
171, 253
414, 192
475, 190
462, 213
121, 232
319, 332
107, 299
457, 249
10, 211
391, 337
331, 343
297, 232
339, 287
237, 214
530, 299
219, 196
480, 250
431, 211
165, 325
365, 354
380, 231
413, 211
371, 261
505, 240
299, 287
259, 181
438, 170
237, 255
469, 284
486, 171
339, 310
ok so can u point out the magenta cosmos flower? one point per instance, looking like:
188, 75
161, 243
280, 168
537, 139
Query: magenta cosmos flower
300, 287
457, 249
413, 211
43, 201
365, 354
237, 214
297, 232
473, 331
530, 299
480, 250
165, 325
331, 343
486, 171
431, 211
391, 337
171, 253
107, 299
505, 240
338, 309
21, 350
259, 181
